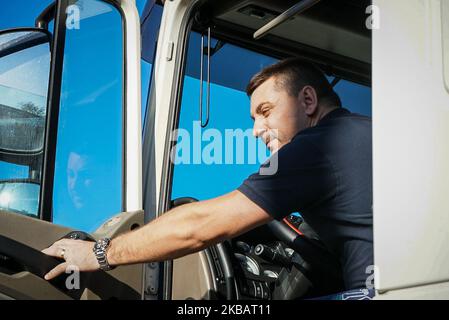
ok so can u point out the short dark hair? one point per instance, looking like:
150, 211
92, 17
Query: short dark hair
294, 74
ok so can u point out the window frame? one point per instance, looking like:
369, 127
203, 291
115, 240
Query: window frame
156, 193
131, 133
53, 100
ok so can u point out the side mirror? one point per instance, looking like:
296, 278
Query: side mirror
24, 76
20, 197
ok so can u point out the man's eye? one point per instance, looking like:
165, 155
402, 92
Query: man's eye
266, 112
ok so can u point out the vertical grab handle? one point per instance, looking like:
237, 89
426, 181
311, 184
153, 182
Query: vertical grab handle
203, 125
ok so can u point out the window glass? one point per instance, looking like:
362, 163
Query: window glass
202, 171
220, 169
354, 97
89, 154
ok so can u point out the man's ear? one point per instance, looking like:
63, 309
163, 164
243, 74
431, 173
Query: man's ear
310, 100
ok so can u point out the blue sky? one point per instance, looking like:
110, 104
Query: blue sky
22, 13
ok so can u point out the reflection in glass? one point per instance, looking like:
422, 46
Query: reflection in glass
88, 168
19, 197
24, 71
76, 180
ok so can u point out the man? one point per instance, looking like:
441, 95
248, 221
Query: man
324, 172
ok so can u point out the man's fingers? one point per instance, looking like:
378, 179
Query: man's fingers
52, 251
55, 249
61, 268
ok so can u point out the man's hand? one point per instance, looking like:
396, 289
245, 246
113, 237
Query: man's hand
75, 253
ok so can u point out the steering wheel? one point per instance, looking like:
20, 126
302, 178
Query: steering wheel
325, 268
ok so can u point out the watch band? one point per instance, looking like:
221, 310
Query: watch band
100, 250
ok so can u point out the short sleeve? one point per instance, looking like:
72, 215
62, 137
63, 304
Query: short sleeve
304, 178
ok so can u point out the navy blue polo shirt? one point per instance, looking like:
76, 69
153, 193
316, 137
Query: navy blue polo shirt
325, 173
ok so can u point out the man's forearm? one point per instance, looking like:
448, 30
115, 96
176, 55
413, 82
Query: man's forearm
183, 230
187, 229
174, 234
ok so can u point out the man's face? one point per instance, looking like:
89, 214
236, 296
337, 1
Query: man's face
78, 179
278, 116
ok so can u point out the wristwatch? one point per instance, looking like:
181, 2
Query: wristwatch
100, 249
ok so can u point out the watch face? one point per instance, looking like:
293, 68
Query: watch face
101, 244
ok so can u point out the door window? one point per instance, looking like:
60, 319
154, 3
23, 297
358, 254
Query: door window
216, 159
89, 163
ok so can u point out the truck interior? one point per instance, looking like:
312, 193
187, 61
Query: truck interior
282, 260
332, 34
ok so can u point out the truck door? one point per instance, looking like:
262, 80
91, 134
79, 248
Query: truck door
411, 153
70, 148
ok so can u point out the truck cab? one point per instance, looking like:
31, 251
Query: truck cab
112, 112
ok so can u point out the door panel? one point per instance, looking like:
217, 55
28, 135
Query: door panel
192, 278
123, 282
132, 275
37, 234
25, 285
410, 149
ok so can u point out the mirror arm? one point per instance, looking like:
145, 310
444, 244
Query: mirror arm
44, 18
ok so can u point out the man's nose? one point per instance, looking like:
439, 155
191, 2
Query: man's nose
257, 130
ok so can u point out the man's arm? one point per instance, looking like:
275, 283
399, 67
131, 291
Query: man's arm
187, 229
181, 231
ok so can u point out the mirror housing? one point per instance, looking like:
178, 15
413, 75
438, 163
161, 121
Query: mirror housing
24, 77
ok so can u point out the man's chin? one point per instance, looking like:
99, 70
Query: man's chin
274, 146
